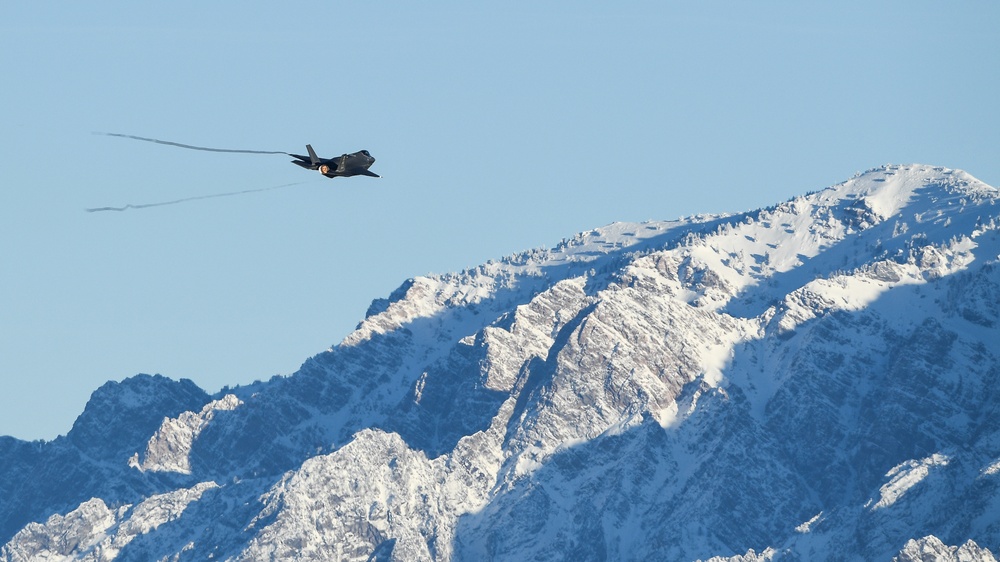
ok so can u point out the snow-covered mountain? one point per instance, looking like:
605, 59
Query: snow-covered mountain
817, 380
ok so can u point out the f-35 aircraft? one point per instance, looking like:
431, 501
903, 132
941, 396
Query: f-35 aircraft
356, 164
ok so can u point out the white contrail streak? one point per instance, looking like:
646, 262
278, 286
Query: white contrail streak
176, 201
192, 147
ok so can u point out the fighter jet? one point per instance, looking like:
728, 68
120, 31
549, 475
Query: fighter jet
356, 164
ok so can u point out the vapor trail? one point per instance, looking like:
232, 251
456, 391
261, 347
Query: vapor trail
176, 201
158, 141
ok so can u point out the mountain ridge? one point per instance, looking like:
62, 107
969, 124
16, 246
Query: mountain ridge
776, 381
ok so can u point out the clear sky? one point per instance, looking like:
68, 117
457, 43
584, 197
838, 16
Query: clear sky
498, 127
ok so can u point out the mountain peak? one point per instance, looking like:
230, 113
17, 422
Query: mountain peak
890, 188
127, 411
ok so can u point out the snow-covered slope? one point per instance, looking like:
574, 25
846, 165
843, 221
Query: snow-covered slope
812, 381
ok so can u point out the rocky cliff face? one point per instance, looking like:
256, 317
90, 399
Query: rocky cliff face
816, 380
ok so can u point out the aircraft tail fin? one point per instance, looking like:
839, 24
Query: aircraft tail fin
312, 154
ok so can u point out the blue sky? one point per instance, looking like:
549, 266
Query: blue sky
498, 127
